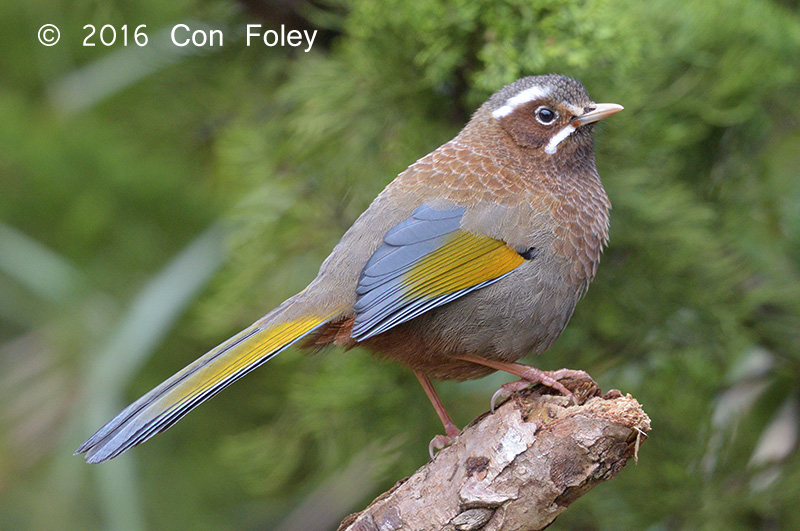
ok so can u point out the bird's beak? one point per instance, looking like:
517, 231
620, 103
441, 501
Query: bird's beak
601, 111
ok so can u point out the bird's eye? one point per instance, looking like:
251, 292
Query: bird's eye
545, 115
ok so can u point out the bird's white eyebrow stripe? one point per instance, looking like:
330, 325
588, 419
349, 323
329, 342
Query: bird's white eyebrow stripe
559, 137
533, 93
574, 109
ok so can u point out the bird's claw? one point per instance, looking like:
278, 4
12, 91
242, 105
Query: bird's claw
532, 376
506, 390
439, 442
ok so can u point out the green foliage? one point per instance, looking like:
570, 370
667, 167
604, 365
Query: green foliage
695, 310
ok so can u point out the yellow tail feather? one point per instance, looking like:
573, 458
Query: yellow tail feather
166, 404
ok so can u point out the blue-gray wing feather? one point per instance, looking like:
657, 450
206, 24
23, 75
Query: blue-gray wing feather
380, 303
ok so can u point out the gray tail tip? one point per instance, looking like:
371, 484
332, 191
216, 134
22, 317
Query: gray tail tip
91, 458
83, 448
85, 451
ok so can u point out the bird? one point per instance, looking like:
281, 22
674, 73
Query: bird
470, 259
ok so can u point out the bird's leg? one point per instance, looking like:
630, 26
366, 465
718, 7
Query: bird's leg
450, 428
530, 375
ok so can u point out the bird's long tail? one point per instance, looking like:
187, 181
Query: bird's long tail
169, 402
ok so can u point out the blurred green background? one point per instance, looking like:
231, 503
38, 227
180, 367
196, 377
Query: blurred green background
155, 200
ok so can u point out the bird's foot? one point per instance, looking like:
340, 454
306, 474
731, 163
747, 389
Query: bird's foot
577, 383
440, 442
506, 390
582, 387
533, 376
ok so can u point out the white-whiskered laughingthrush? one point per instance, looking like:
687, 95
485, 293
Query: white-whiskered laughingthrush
470, 259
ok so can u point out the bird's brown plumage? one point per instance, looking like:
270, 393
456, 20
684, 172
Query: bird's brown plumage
554, 204
478, 251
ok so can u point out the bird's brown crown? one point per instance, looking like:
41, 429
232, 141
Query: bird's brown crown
540, 112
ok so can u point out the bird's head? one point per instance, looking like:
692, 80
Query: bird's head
552, 114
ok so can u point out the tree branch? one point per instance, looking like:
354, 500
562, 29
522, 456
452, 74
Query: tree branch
517, 468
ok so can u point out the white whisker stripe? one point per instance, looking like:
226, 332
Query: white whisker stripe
559, 137
533, 93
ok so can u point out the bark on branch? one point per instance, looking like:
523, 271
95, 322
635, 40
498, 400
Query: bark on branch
518, 468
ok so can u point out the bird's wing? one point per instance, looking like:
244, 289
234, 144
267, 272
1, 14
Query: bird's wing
425, 261
169, 402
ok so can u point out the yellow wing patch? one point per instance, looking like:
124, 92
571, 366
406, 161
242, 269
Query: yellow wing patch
412, 276
466, 260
